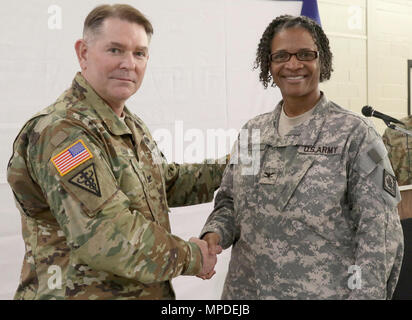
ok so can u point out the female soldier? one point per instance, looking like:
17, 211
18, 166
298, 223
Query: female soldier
319, 218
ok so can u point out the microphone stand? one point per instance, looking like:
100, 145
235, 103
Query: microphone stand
392, 126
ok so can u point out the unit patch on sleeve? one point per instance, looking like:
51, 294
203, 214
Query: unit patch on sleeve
389, 183
87, 180
71, 157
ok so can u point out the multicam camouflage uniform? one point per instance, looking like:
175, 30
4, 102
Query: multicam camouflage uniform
98, 227
400, 152
323, 200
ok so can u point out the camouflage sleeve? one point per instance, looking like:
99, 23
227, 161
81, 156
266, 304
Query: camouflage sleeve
386, 138
189, 184
94, 215
399, 146
373, 196
222, 219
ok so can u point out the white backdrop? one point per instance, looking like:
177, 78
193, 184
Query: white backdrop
200, 76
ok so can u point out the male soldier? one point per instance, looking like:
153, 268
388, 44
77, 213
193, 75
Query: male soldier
92, 187
399, 147
398, 152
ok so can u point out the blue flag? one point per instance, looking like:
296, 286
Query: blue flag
310, 9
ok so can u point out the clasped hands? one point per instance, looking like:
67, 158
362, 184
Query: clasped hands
210, 248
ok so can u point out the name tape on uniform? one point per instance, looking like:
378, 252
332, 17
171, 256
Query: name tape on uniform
71, 157
322, 150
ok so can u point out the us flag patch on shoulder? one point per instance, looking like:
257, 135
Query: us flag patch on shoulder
71, 157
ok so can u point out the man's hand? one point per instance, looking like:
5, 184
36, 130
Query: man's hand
209, 259
214, 248
213, 239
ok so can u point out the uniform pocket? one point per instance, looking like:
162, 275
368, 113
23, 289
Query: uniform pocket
92, 185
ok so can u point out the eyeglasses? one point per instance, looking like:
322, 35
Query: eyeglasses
284, 56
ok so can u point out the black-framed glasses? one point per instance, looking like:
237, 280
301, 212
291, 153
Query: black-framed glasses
302, 55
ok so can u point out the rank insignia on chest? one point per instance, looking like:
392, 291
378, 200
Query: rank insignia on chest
389, 183
87, 180
71, 157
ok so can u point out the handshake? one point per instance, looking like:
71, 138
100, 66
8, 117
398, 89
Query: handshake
210, 248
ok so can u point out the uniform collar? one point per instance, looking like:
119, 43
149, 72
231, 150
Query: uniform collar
84, 92
305, 134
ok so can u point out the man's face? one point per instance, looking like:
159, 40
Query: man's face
115, 60
295, 78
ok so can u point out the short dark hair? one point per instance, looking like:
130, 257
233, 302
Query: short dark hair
95, 18
284, 22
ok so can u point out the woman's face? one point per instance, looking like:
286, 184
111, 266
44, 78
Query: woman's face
295, 78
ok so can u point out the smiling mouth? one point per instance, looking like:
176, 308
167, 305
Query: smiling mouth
123, 79
295, 78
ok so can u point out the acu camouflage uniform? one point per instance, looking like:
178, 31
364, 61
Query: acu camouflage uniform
102, 227
399, 147
324, 199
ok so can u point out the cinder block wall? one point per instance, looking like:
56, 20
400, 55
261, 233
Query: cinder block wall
371, 41
389, 48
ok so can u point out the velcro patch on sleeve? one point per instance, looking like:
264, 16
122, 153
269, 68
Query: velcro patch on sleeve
375, 155
71, 157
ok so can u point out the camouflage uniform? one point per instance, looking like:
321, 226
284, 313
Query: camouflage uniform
399, 147
102, 226
399, 152
324, 199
